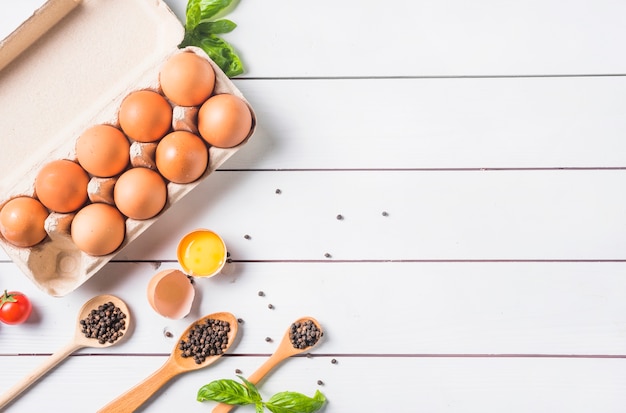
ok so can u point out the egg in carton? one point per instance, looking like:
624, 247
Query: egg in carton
78, 76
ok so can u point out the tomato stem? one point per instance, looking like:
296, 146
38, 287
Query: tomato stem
7, 298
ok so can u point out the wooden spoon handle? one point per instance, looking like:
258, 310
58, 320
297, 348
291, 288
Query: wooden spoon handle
135, 397
36, 374
255, 378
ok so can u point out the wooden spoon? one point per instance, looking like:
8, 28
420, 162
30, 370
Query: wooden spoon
285, 350
79, 341
174, 365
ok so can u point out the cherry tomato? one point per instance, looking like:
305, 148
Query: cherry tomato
15, 307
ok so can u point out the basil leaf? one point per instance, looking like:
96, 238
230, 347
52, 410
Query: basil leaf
254, 392
193, 15
204, 10
293, 402
259, 407
222, 53
215, 27
225, 391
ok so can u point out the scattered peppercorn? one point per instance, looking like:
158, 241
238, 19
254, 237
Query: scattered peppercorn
104, 323
237, 371
261, 293
278, 191
319, 382
268, 339
270, 306
168, 334
247, 236
327, 255
385, 214
339, 217
304, 334
334, 361
240, 320
205, 339
309, 355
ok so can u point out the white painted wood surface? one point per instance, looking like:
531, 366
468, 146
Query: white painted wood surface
490, 133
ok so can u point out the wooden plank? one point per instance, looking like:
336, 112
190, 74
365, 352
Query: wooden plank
432, 215
435, 123
435, 308
490, 385
429, 38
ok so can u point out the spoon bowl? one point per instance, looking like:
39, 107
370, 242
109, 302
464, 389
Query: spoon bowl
175, 364
93, 304
78, 341
188, 363
285, 350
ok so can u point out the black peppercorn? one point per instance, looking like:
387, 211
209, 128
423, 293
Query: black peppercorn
304, 334
104, 323
205, 339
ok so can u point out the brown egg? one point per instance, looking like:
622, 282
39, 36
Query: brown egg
103, 150
98, 229
170, 293
145, 116
61, 186
181, 157
187, 79
224, 120
22, 221
140, 193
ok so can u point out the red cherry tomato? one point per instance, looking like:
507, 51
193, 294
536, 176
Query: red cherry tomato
15, 307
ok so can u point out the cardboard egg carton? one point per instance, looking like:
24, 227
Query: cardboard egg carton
71, 77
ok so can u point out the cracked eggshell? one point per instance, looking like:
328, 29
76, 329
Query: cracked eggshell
171, 294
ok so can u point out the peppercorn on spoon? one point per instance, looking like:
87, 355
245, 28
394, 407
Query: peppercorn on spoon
79, 341
285, 350
176, 364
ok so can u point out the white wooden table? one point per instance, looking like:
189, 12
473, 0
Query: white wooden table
476, 151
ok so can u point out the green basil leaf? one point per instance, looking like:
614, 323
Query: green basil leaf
204, 10
293, 402
225, 391
254, 392
222, 53
259, 407
216, 27
193, 15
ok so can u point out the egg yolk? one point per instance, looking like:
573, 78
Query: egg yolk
202, 253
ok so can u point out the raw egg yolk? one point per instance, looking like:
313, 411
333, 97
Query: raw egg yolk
22, 221
202, 253
145, 116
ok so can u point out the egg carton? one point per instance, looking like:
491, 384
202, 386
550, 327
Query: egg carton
75, 76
